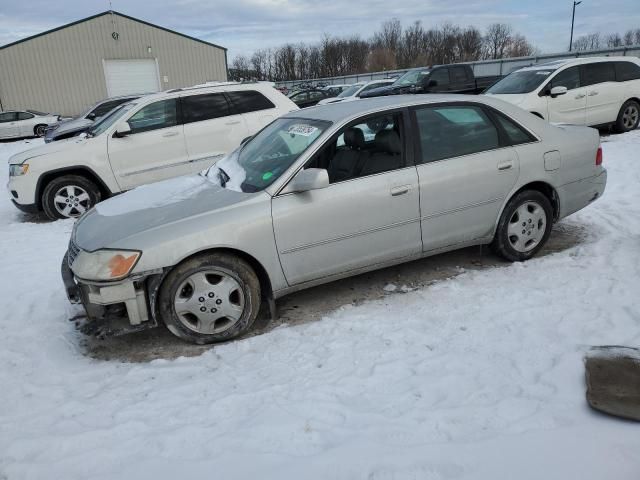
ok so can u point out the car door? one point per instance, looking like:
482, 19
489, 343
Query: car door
439, 81
8, 126
369, 214
572, 106
462, 80
211, 128
604, 94
465, 172
154, 149
25, 122
256, 109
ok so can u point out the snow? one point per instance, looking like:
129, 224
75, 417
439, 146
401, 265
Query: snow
477, 377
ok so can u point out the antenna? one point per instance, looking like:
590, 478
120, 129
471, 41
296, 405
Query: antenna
115, 35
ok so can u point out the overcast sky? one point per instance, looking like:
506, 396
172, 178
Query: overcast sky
245, 25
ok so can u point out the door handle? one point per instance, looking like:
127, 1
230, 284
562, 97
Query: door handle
170, 134
233, 123
395, 191
591, 94
505, 165
579, 96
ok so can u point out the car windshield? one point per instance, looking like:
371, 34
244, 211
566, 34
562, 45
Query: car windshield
412, 77
35, 112
110, 119
351, 91
262, 160
523, 81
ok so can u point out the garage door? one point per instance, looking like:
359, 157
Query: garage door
125, 77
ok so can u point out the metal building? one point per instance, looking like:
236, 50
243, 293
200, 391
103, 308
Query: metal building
67, 69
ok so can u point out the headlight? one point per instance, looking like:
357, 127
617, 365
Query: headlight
105, 264
18, 170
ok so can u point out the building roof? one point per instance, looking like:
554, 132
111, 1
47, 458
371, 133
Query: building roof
109, 12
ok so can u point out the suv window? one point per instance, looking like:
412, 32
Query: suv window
441, 76
246, 101
8, 117
25, 115
154, 116
458, 75
452, 131
367, 147
196, 108
598, 73
569, 78
515, 133
627, 71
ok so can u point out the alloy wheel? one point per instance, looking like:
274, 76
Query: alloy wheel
71, 201
527, 226
209, 301
630, 117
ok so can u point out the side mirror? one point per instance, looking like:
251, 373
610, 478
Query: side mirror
308, 179
432, 83
555, 91
122, 130
91, 116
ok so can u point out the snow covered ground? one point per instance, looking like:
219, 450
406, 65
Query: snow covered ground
476, 377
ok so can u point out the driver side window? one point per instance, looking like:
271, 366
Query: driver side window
569, 78
154, 116
368, 147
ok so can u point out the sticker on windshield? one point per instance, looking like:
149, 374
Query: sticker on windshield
304, 130
267, 175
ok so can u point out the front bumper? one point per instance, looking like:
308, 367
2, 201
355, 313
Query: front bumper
113, 308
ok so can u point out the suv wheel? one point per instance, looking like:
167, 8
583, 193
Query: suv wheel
524, 227
628, 117
69, 196
210, 298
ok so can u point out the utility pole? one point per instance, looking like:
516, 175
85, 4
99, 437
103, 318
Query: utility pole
573, 16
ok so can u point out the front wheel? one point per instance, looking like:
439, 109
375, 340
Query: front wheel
628, 117
69, 196
39, 130
524, 227
210, 298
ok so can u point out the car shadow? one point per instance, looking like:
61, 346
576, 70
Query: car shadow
313, 304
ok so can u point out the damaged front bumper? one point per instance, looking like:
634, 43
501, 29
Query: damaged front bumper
112, 308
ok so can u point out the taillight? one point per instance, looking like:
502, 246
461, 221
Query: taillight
599, 156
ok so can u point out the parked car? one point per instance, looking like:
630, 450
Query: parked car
355, 91
436, 79
335, 90
152, 138
309, 199
25, 123
583, 91
308, 97
75, 126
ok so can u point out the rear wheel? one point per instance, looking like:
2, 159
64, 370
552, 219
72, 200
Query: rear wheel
628, 117
39, 130
210, 298
524, 227
69, 196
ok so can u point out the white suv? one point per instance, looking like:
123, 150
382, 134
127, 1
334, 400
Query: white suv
149, 139
596, 91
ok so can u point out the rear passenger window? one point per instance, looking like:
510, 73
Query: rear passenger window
569, 78
515, 133
196, 108
458, 75
627, 71
598, 73
452, 131
25, 115
441, 77
372, 146
154, 116
249, 101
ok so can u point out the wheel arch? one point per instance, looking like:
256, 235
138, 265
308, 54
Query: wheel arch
39, 125
83, 171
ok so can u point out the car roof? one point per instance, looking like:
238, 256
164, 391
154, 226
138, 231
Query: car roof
335, 112
205, 88
556, 64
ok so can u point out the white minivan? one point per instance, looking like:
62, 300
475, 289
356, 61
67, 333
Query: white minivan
594, 91
149, 139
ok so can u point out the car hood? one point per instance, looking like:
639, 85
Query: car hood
75, 124
149, 207
48, 148
513, 98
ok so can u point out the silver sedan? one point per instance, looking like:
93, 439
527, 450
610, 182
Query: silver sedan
322, 194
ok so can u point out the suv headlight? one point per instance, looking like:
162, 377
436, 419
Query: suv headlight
18, 170
105, 264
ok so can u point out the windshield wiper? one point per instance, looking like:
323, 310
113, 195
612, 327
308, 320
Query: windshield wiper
224, 177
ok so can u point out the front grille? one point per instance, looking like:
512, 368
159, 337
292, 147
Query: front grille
72, 253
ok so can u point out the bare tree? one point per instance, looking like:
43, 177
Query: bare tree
381, 59
497, 40
469, 44
519, 47
614, 40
